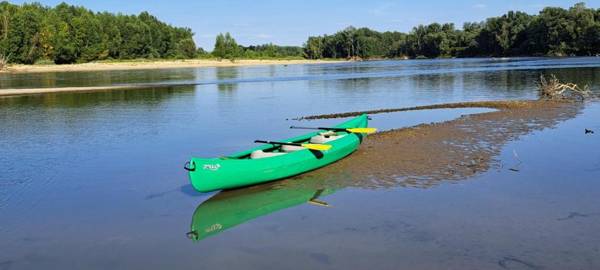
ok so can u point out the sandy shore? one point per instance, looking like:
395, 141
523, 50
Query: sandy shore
132, 65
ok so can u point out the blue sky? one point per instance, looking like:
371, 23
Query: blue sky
291, 22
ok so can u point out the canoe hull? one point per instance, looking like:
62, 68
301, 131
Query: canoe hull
229, 172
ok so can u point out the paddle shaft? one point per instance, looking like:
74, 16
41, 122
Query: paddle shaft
321, 128
279, 143
310, 146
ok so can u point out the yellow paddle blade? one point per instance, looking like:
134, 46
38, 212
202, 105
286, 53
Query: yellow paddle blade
362, 130
320, 147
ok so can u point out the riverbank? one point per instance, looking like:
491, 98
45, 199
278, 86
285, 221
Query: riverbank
157, 64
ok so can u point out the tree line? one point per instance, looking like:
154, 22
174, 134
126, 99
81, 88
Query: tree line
69, 34
553, 32
227, 48
31, 33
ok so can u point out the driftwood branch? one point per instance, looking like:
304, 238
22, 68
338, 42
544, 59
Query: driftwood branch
553, 89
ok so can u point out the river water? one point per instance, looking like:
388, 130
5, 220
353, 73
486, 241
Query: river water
95, 180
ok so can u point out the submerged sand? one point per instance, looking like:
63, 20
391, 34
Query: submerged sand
426, 155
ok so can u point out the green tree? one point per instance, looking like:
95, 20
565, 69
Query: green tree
68, 34
226, 47
187, 48
554, 31
313, 48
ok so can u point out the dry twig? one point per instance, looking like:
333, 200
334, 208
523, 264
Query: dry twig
555, 90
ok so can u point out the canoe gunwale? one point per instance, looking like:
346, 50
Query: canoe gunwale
235, 171
299, 138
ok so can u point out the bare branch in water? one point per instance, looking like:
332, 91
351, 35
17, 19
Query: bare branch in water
553, 89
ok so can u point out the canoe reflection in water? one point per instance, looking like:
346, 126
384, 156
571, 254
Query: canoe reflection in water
230, 208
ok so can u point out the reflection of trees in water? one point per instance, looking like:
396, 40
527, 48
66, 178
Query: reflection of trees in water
506, 80
525, 80
498, 81
579, 76
348, 85
433, 82
88, 99
83, 107
476, 83
94, 78
358, 83
482, 83
228, 87
225, 75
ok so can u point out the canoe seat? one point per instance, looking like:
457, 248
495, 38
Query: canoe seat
325, 137
262, 154
291, 148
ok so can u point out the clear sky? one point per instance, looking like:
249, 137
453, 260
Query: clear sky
291, 22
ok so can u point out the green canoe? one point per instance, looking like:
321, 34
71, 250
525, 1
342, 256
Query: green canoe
271, 162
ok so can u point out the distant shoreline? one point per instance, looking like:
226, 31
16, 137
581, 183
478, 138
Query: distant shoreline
156, 64
132, 65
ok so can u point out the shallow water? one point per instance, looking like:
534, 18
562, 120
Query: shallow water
95, 180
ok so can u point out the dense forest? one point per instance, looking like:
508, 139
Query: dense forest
33, 33
69, 34
553, 32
